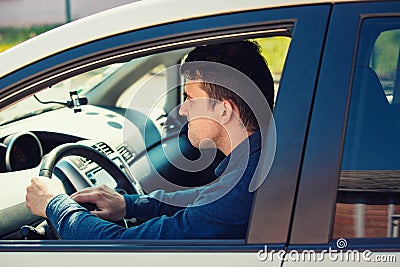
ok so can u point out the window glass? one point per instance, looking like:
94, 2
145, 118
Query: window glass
57, 95
155, 79
368, 202
384, 59
274, 50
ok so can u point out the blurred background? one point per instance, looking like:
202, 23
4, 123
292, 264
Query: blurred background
23, 19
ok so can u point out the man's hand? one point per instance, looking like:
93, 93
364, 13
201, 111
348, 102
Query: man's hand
40, 192
111, 205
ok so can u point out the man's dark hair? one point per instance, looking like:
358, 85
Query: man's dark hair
243, 56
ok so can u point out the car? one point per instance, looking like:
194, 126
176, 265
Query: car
97, 99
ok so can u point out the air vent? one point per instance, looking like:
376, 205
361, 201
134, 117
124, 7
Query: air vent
103, 148
126, 153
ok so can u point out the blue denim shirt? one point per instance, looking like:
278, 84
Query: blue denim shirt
219, 210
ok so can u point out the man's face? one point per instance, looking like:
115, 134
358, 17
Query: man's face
203, 124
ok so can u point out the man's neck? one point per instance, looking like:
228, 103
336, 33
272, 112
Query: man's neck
231, 141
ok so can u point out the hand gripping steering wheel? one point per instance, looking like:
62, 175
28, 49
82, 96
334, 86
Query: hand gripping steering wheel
50, 161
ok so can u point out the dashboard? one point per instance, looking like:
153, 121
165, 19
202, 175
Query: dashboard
20, 151
131, 140
24, 150
23, 143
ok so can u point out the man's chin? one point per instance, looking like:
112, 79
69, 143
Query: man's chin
194, 143
201, 143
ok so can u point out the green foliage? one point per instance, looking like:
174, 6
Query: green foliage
10, 36
4, 47
386, 53
274, 50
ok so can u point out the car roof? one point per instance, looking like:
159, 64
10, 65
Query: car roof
126, 18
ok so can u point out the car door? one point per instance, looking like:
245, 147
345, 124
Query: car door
272, 210
347, 205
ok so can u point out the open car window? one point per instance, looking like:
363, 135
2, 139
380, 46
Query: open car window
117, 96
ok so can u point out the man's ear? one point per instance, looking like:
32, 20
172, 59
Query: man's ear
227, 112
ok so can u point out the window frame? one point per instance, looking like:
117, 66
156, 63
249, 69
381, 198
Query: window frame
313, 220
51, 70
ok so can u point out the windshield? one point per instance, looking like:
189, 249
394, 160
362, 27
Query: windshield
53, 97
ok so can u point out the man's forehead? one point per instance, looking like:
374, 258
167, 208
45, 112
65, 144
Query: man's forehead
193, 89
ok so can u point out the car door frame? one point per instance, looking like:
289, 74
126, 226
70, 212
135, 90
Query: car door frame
315, 204
272, 212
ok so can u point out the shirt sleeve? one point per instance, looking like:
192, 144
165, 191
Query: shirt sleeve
157, 203
145, 207
74, 222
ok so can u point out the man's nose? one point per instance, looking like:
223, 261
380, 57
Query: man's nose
183, 111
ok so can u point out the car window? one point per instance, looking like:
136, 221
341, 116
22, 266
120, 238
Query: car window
118, 95
274, 50
368, 203
54, 96
156, 78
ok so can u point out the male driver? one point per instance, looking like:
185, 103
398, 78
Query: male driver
218, 210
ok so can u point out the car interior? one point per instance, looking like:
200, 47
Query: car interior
77, 130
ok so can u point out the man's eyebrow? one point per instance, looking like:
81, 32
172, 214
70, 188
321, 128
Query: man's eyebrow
185, 95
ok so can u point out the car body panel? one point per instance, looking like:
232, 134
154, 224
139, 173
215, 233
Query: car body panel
330, 106
313, 220
294, 208
273, 207
138, 15
103, 259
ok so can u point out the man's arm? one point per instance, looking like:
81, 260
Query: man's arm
113, 206
157, 203
207, 221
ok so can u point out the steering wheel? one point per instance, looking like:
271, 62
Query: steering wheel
123, 181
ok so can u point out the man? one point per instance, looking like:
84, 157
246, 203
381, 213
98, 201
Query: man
217, 115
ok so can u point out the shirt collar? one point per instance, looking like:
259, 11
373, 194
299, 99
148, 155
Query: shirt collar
255, 144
